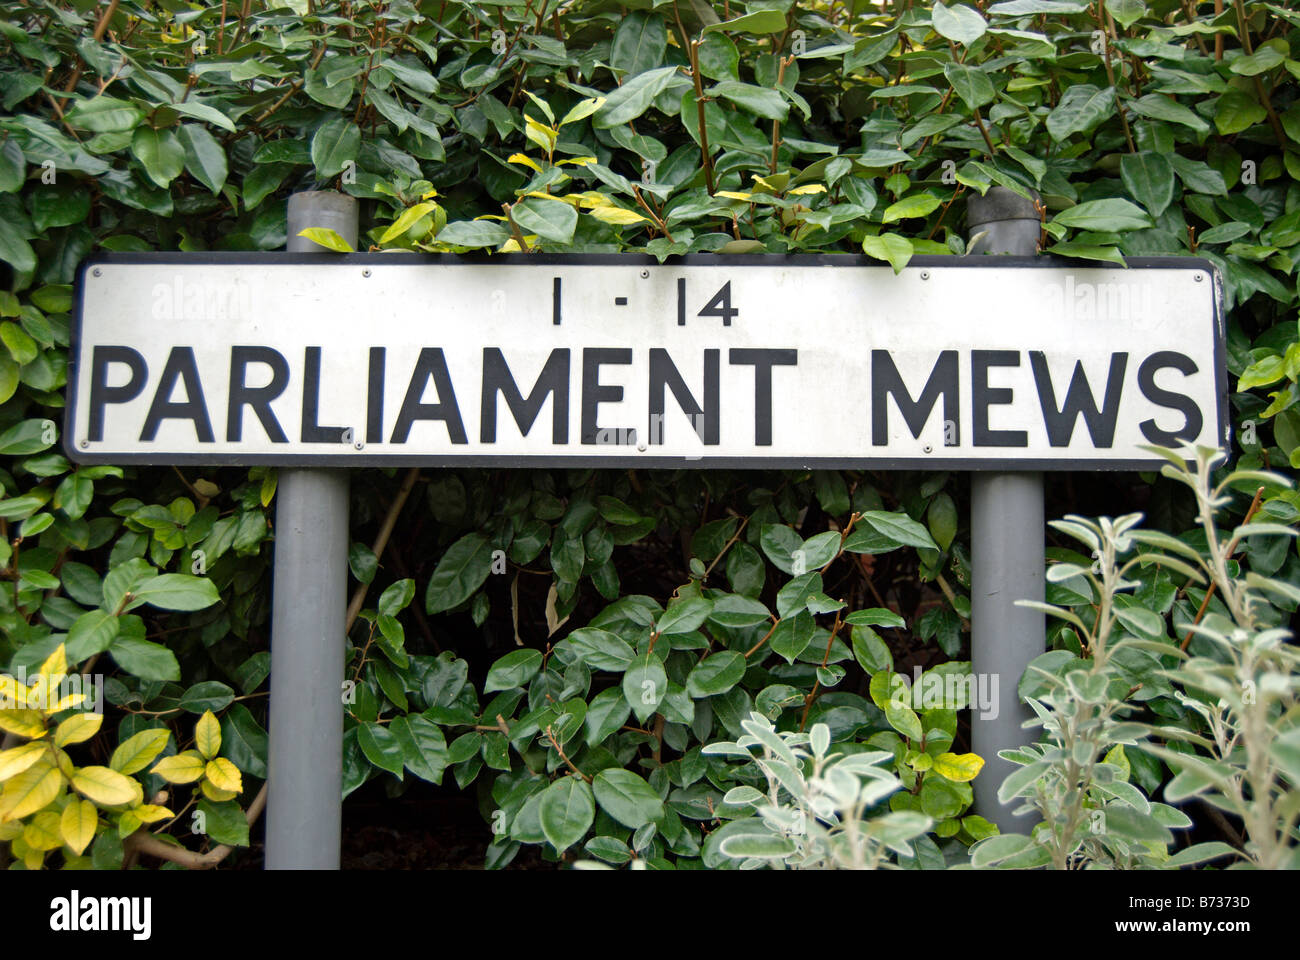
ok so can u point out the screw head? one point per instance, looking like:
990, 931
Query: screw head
98, 272
925, 274
928, 449
365, 272
1199, 277
359, 444
640, 447
84, 444
645, 274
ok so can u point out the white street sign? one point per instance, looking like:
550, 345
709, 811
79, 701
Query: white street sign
609, 360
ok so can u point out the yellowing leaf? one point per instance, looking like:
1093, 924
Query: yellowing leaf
224, 775
617, 215
583, 109
78, 824
30, 791
15, 761
327, 238
25, 723
578, 161
542, 195
207, 735
734, 195
510, 246
33, 859
540, 134
408, 219
151, 812
42, 832
960, 767
77, 728
10, 831
183, 768
591, 198
216, 795
806, 189
525, 160
138, 752
128, 823
106, 787
428, 194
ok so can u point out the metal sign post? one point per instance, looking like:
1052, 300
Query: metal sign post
304, 816
1007, 528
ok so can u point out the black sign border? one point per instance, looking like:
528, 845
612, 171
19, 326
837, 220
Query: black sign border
362, 459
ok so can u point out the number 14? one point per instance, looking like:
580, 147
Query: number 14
718, 306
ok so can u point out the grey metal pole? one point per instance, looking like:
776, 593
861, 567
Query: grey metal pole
304, 815
1007, 531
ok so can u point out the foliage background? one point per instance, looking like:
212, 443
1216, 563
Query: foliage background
1167, 127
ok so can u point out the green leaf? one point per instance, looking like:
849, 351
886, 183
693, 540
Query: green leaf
567, 810
224, 822
891, 247
204, 156
1236, 111
634, 97
1111, 214
683, 616
715, 674
160, 153
334, 146
626, 797
91, 633
917, 205
143, 659
971, 84
957, 23
178, 591
900, 528
549, 219
513, 670
459, 573
639, 44
1149, 179
1081, 108
424, 748
474, 233
760, 101
104, 115
870, 651
208, 695
645, 684
381, 747
760, 21
1262, 60
1126, 12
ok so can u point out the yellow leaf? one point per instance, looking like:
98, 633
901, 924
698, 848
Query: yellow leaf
183, 768
540, 134
734, 195
78, 728
583, 109
806, 189
152, 813
617, 215
29, 791
10, 831
106, 787
34, 859
55, 668
960, 767
138, 752
15, 761
207, 735
542, 195
428, 194
13, 695
510, 246
578, 161
591, 198
78, 824
326, 238
224, 775
268, 488
215, 795
42, 832
67, 703
526, 161
25, 723
409, 218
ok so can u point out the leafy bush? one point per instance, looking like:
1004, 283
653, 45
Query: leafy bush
823, 127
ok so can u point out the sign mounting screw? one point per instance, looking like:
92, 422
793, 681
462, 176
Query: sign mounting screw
925, 274
84, 444
365, 272
1199, 277
928, 449
98, 272
645, 274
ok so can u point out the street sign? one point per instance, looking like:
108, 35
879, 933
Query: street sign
617, 360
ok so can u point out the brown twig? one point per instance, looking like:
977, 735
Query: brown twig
381, 541
150, 845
